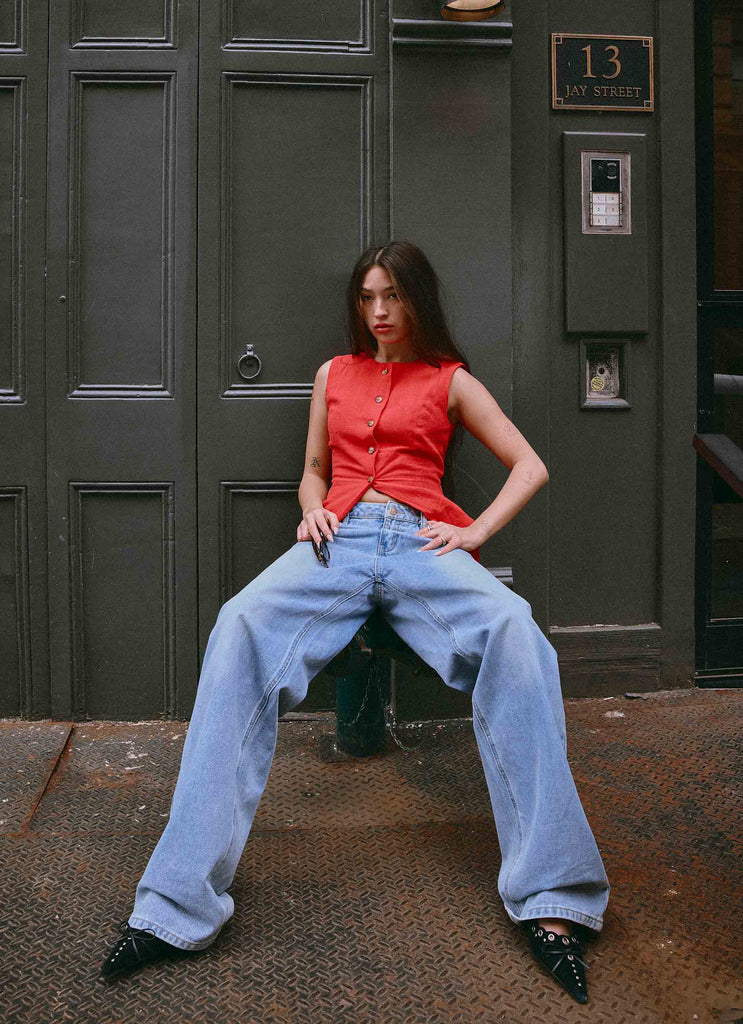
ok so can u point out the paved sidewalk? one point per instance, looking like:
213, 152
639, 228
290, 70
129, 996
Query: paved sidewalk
366, 892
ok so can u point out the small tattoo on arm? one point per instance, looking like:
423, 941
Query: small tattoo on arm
485, 526
314, 461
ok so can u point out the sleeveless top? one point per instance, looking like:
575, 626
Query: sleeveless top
388, 428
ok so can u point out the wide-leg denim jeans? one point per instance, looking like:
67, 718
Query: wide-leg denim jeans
279, 631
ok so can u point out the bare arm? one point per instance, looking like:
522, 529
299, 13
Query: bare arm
479, 412
317, 466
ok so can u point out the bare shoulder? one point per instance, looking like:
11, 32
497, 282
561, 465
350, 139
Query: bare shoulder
322, 373
471, 400
463, 390
321, 379
459, 379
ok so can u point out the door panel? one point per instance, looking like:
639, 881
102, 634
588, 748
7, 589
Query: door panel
296, 24
294, 213
120, 236
24, 639
293, 184
295, 179
121, 360
136, 23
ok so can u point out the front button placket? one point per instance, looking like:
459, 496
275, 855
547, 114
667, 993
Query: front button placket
381, 385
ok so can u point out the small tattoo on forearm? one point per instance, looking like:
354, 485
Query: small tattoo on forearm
314, 461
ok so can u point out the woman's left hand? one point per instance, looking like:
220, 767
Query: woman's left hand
465, 537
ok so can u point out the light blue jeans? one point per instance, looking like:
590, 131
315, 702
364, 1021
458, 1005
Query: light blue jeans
279, 631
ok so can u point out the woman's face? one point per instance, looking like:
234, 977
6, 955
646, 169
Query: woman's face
382, 309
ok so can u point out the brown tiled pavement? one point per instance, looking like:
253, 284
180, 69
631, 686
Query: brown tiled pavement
366, 892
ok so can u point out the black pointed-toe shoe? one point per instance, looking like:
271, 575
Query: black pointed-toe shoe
562, 956
137, 947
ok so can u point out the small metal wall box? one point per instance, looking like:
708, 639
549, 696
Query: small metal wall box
603, 367
605, 236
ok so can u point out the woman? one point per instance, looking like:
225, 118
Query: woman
383, 535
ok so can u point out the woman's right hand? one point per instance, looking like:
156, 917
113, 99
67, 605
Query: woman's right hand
318, 523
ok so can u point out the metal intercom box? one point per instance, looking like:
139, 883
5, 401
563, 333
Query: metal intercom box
605, 232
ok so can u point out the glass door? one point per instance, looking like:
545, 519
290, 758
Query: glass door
719, 439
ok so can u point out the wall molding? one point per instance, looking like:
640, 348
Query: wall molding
18, 43
450, 34
165, 186
166, 40
17, 695
15, 184
85, 513
362, 44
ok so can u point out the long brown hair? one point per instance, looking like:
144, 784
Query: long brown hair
419, 290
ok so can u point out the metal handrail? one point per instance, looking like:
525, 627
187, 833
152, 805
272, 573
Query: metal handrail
728, 384
724, 456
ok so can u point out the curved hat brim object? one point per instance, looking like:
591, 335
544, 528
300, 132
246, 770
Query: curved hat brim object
471, 10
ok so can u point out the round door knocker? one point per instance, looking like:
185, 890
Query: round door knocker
249, 354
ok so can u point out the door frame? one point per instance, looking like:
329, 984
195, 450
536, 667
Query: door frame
717, 640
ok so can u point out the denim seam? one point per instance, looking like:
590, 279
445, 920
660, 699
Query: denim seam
502, 772
263, 703
158, 928
499, 764
355, 513
381, 516
442, 622
567, 912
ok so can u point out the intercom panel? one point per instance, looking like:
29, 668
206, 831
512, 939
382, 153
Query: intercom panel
606, 193
605, 222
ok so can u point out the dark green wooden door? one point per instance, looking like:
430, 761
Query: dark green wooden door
293, 183
24, 643
198, 179
320, 133
121, 358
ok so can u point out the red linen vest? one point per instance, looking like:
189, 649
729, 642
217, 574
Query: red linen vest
389, 429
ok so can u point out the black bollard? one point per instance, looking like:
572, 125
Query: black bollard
362, 686
360, 698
